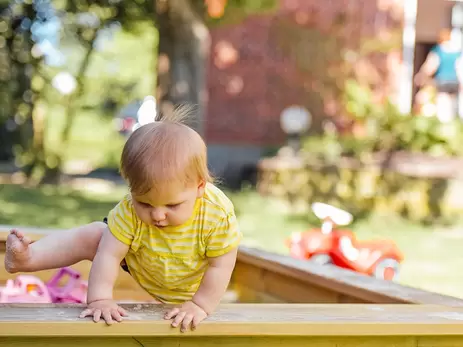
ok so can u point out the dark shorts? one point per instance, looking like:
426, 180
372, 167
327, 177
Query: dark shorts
447, 87
123, 264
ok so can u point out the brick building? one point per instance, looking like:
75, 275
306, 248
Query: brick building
301, 54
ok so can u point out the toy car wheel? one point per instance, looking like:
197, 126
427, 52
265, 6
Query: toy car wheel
387, 269
321, 259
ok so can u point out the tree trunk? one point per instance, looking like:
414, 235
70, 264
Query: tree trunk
184, 46
37, 151
17, 67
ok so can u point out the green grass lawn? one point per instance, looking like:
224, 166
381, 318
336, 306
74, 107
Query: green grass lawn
54, 207
431, 260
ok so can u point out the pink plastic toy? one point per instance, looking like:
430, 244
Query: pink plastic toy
73, 291
24, 289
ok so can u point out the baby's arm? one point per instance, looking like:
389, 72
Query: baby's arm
103, 275
105, 267
215, 281
221, 251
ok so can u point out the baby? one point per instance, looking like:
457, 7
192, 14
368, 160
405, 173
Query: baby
175, 232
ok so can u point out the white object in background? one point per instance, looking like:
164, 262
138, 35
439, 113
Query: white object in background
295, 120
147, 111
64, 82
338, 216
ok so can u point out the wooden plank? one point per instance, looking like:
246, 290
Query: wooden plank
269, 286
229, 341
263, 320
439, 341
298, 281
233, 341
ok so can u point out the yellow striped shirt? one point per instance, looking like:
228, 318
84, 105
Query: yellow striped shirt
169, 263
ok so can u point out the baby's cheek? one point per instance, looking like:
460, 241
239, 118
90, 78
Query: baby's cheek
171, 217
143, 215
175, 218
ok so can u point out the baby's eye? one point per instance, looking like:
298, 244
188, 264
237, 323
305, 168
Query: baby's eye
173, 205
144, 204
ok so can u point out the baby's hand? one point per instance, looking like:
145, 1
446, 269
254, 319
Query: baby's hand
107, 309
187, 314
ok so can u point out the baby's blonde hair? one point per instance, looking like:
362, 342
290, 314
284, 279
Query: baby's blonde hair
163, 153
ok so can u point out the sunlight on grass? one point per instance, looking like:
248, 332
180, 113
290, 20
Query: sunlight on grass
54, 207
431, 254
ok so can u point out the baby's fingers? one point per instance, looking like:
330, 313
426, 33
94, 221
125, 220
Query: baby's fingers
116, 315
107, 316
86, 313
186, 323
196, 320
96, 315
122, 312
178, 319
172, 313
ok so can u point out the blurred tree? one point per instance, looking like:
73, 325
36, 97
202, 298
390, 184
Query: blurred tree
84, 22
17, 65
184, 46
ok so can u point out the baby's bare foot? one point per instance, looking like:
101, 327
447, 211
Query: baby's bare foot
17, 254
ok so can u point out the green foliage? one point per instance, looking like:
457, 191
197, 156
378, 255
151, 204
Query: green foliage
16, 67
85, 24
93, 139
384, 128
123, 70
358, 100
89, 28
237, 10
374, 45
127, 13
365, 187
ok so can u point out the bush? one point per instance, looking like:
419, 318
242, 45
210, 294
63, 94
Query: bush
407, 164
382, 128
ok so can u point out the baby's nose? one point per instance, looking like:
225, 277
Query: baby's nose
158, 215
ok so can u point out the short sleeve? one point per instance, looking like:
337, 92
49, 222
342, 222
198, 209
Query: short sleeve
224, 237
121, 222
436, 50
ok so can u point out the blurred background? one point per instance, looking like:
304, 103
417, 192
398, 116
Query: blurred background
353, 103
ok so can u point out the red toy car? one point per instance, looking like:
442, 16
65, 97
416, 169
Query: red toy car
329, 245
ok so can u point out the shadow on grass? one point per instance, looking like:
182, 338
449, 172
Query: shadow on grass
54, 207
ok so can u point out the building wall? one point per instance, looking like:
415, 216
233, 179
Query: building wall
431, 17
297, 55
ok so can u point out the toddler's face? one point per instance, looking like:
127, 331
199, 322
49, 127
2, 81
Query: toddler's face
170, 208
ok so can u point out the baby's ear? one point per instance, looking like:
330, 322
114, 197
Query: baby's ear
201, 188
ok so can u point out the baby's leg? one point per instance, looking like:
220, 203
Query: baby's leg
56, 250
